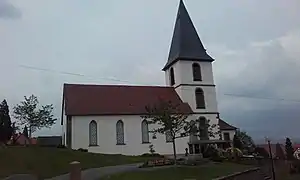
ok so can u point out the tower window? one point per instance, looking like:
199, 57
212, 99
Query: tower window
197, 72
172, 78
200, 101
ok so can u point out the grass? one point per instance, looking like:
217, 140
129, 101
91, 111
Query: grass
49, 162
180, 173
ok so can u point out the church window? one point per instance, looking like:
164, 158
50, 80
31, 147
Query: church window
120, 132
203, 128
169, 137
93, 133
172, 77
145, 132
197, 72
200, 101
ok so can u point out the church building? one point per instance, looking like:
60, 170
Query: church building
107, 118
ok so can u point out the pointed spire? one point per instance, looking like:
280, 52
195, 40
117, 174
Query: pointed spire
186, 44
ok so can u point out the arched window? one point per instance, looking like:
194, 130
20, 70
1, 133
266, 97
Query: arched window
169, 137
197, 72
172, 77
145, 132
203, 128
93, 133
193, 131
120, 132
200, 101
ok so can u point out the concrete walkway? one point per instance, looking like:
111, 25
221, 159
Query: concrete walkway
97, 173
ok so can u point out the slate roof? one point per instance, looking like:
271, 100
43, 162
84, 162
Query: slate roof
186, 44
85, 100
225, 126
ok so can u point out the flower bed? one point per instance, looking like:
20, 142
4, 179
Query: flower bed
158, 162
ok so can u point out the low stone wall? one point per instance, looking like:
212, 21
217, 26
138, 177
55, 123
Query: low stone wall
251, 174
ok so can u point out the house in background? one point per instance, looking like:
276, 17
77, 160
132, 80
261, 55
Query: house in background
107, 118
227, 131
21, 139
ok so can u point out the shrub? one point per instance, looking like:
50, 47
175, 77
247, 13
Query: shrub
151, 149
151, 155
61, 146
208, 152
216, 157
215, 154
82, 150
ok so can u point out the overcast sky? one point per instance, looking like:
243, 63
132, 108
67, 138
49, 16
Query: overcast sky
256, 45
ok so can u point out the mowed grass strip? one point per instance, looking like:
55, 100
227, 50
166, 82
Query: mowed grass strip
205, 172
49, 162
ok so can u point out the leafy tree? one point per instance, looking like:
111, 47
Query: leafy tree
279, 152
6, 129
170, 119
289, 149
246, 140
28, 113
237, 143
25, 131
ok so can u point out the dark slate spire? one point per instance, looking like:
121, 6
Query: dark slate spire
186, 44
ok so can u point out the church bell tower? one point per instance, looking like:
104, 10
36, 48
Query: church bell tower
189, 68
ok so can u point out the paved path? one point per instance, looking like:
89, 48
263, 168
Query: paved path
97, 173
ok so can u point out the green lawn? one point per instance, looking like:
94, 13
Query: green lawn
49, 162
206, 172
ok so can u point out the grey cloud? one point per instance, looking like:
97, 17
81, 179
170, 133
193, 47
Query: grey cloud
237, 23
8, 10
270, 73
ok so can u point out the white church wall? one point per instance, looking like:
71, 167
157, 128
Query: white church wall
177, 75
187, 76
107, 136
183, 73
187, 94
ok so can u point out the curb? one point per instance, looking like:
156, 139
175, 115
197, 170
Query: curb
236, 174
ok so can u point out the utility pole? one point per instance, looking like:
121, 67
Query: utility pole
271, 157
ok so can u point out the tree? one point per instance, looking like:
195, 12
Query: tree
237, 143
28, 113
289, 149
170, 119
25, 132
279, 152
246, 140
6, 129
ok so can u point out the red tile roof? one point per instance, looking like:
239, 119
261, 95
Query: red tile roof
225, 126
117, 99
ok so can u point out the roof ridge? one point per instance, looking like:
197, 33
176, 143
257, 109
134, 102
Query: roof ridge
117, 85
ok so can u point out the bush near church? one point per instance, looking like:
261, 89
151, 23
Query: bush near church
230, 152
158, 162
